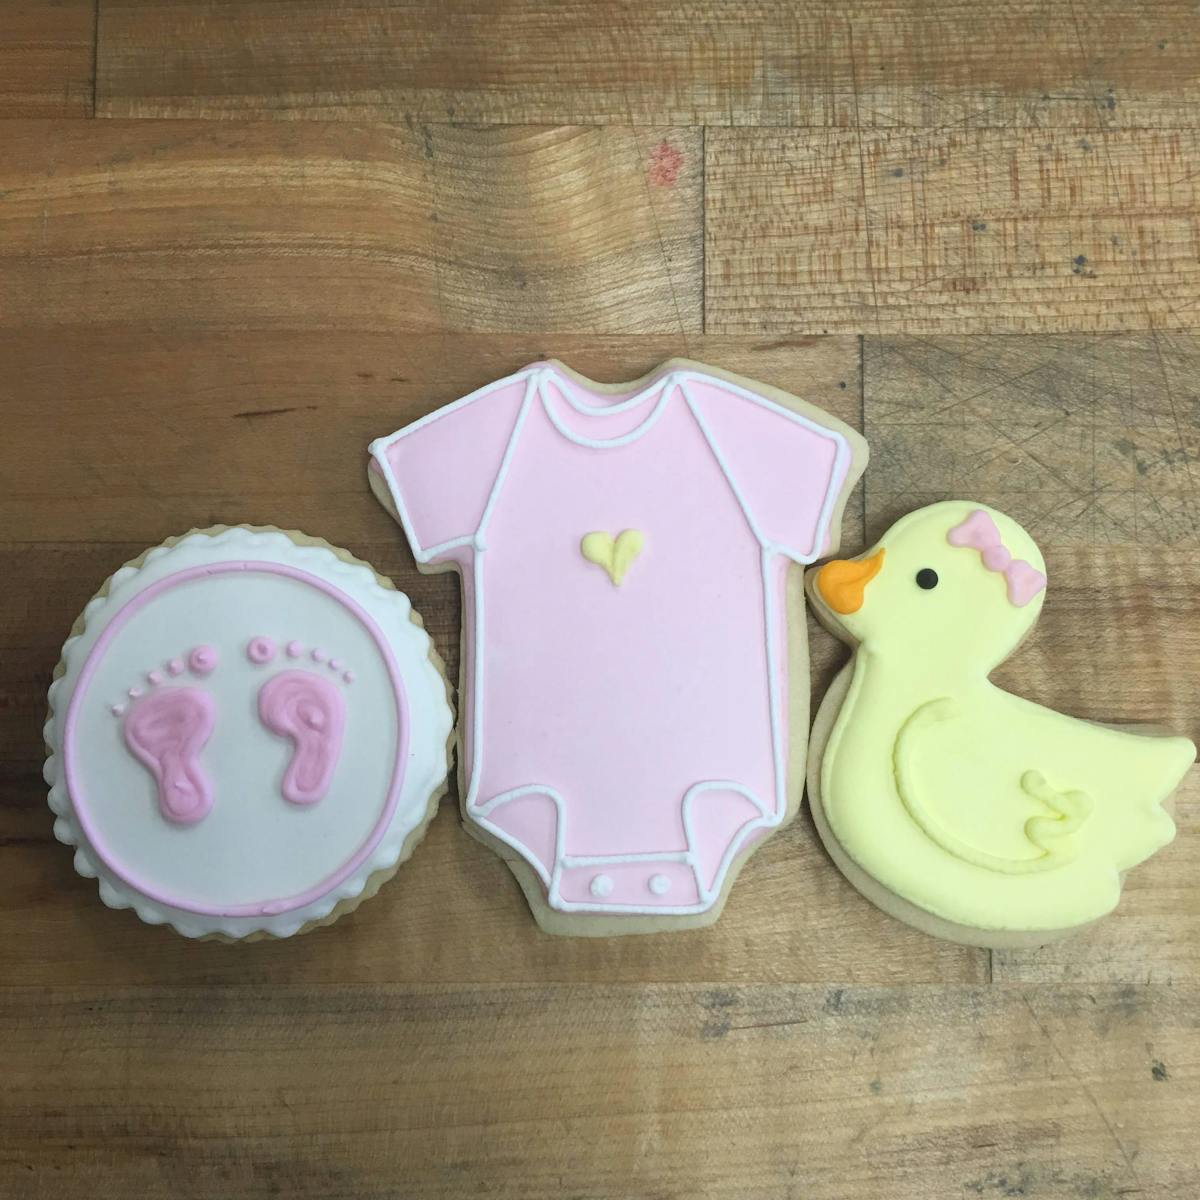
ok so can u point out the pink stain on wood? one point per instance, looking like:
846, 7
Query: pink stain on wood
665, 163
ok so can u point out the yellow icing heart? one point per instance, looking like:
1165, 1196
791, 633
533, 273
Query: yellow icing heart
615, 555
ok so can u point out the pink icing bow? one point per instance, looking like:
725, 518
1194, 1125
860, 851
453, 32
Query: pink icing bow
980, 533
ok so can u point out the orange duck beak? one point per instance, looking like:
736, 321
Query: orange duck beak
842, 582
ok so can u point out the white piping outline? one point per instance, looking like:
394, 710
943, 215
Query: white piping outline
566, 862
840, 462
480, 543
670, 382
536, 378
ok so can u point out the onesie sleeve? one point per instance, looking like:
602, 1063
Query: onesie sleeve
787, 469
441, 471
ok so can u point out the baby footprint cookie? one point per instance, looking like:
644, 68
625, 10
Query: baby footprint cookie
954, 805
248, 732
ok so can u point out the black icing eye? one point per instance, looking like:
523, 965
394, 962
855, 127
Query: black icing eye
927, 578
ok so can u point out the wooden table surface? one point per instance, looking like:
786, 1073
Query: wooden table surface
239, 239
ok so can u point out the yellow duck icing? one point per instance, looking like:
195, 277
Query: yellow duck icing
973, 805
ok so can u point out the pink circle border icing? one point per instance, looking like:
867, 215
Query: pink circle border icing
95, 656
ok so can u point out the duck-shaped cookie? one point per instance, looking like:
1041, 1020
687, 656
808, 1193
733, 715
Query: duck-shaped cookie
950, 803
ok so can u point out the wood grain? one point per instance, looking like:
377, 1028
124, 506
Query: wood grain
550, 1090
865, 64
315, 226
207, 321
951, 231
47, 52
1093, 442
271, 426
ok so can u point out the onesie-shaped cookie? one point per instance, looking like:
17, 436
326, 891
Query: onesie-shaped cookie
953, 805
634, 697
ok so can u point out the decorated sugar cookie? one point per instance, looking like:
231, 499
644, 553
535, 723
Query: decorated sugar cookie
248, 732
634, 696
950, 803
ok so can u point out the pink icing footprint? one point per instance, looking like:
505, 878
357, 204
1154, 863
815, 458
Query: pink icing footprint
311, 711
166, 732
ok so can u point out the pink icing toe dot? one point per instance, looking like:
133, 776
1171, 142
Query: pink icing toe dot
260, 650
134, 693
335, 664
203, 660
319, 655
116, 709
294, 649
175, 666
349, 676
154, 678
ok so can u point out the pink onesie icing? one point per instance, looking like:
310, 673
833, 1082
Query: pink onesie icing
627, 739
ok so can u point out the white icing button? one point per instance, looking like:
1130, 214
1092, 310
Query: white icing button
602, 885
660, 885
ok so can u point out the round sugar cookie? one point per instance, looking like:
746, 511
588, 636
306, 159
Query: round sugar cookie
248, 732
